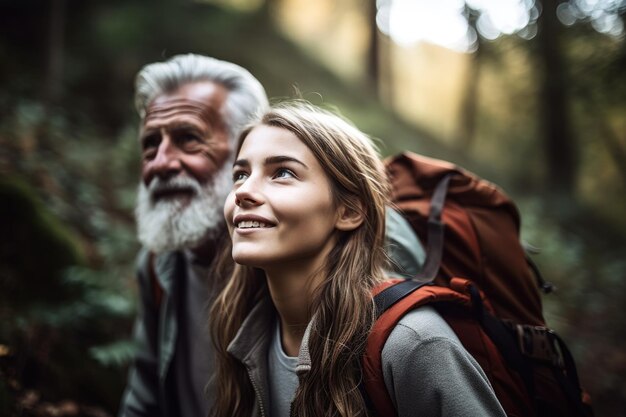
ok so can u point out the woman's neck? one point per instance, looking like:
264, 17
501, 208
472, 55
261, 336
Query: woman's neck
292, 291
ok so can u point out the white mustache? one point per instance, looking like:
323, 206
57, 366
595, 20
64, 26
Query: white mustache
159, 186
174, 224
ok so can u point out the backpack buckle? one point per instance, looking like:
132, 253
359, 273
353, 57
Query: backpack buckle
538, 342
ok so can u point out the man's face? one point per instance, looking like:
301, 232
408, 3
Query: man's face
184, 135
185, 177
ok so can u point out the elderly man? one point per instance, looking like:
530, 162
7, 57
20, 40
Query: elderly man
192, 108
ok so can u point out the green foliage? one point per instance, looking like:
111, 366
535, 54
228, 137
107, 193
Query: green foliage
66, 263
54, 310
35, 249
114, 354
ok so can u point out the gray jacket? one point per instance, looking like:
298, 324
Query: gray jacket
149, 390
426, 369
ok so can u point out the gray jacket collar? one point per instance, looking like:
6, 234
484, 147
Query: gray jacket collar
168, 267
251, 343
250, 347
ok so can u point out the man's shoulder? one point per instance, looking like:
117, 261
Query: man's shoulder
402, 246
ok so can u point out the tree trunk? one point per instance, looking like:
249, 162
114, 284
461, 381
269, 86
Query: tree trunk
613, 145
54, 73
469, 99
385, 60
560, 147
372, 56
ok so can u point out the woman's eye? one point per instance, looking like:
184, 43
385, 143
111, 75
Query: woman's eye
239, 176
284, 173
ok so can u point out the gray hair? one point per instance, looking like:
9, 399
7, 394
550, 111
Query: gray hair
246, 96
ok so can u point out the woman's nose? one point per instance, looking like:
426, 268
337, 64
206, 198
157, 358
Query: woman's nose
248, 194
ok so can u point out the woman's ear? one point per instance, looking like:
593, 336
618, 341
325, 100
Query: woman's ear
349, 218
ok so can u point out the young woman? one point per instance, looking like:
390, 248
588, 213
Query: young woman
307, 221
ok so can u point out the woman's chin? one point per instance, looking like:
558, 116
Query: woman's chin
247, 259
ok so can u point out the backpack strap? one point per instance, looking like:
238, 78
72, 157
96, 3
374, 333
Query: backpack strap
505, 342
545, 286
434, 251
394, 293
393, 300
569, 379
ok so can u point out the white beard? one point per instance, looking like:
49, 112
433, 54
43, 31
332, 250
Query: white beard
171, 224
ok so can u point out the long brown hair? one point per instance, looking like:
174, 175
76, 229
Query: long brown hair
342, 304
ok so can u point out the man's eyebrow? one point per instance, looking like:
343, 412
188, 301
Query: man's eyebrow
173, 126
183, 125
271, 160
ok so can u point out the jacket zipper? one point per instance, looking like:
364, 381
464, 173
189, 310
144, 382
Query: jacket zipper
257, 391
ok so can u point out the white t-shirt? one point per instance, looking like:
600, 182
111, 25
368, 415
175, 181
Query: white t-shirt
283, 380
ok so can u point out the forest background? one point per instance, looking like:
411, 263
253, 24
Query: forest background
535, 103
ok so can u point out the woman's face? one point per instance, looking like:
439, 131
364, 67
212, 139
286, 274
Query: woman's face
281, 210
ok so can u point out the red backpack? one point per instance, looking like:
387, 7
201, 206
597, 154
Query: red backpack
477, 276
